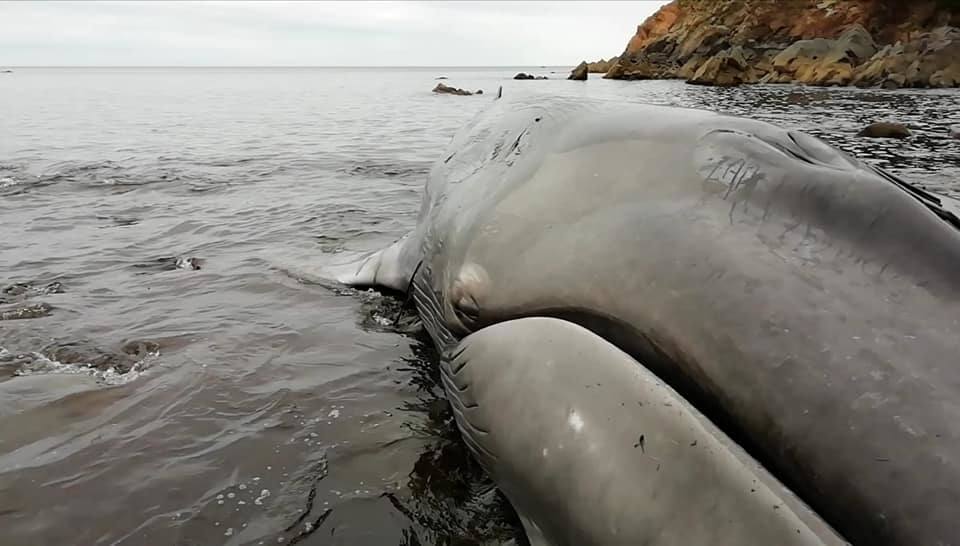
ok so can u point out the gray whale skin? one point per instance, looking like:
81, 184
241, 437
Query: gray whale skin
664, 326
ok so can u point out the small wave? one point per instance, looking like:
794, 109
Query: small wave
385, 313
35, 363
172, 263
29, 289
121, 221
387, 169
329, 244
37, 310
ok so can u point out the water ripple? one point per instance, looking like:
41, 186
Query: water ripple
175, 361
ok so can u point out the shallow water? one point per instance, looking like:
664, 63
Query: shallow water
170, 370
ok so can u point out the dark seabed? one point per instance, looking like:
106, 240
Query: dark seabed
171, 369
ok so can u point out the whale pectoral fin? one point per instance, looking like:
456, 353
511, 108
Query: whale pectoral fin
532, 530
592, 448
391, 267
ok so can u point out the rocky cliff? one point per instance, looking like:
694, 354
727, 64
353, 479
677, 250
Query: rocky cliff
890, 43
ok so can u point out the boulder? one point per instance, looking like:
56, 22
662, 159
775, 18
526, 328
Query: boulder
525, 76
727, 68
649, 64
852, 49
478, 92
894, 81
447, 90
580, 72
885, 130
955, 132
800, 56
929, 59
822, 61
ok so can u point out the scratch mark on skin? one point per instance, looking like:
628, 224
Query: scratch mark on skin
496, 150
712, 176
766, 208
733, 182
640, 445
516, 144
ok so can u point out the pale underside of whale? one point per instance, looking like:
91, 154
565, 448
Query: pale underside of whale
637, 303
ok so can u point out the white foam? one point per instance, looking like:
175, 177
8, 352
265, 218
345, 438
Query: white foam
263, 495
41, 365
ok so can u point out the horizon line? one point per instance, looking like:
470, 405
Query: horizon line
288, 66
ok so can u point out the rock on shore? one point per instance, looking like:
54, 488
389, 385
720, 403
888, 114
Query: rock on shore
525, 76
448, 90
868, 43
580, 72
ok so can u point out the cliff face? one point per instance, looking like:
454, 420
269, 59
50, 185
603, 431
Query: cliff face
893, 43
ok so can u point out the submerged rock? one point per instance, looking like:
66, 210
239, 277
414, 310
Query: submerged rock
448, 90
885, 130
580, 72
525, 76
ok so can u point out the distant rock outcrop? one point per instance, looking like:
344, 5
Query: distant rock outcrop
602, 66
580, 72
447, 90
889, 43
596, 67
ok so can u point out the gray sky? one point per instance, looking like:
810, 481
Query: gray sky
272, 33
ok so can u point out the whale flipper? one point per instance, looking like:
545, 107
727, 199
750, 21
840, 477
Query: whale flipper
594, 448
391, 267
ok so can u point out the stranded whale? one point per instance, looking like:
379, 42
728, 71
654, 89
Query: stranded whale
771, 293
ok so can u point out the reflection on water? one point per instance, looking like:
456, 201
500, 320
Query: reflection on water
451, 500
165, 349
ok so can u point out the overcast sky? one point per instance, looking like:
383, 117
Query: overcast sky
166, 33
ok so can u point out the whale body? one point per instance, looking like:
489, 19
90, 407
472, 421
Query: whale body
772, 321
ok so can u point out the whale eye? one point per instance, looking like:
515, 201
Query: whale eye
467, 292
467, 306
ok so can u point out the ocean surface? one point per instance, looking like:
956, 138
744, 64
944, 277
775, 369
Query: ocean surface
172, 369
